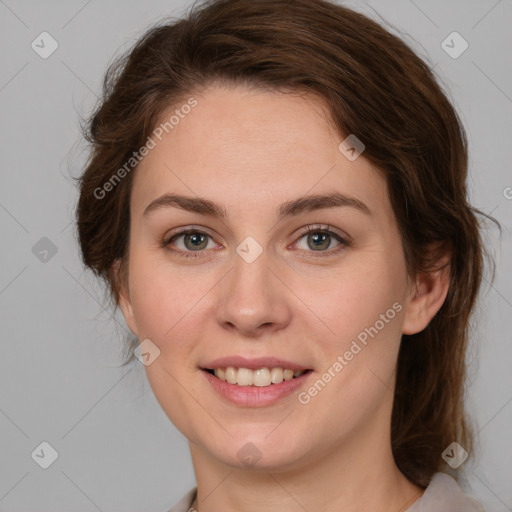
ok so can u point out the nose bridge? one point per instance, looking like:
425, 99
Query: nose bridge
253, 298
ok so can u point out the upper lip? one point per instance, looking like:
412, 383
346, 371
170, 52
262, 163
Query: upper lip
253, 364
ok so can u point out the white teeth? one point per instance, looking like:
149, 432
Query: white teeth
220, 373
261, 377
244, 377
276, 375
231, 375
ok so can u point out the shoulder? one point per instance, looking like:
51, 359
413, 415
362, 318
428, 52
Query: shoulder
186, 502
443, 491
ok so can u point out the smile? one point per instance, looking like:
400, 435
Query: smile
261, 377
257, 387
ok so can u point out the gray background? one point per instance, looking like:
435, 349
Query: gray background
59, 380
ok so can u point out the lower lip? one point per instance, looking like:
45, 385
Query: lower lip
255, 396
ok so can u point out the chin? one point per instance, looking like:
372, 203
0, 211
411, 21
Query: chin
255, 452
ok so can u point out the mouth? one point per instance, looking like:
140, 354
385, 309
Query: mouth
259, 377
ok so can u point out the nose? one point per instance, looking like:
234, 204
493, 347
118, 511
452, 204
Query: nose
253, 300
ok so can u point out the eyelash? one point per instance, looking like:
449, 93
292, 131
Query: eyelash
304, 232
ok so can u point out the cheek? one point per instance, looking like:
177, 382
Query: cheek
362, 306
155, 305
168, 305
367, 290
168, 310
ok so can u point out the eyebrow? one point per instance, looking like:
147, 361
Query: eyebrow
289, 208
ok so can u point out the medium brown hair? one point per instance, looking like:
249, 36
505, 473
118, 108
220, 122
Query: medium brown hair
375, 87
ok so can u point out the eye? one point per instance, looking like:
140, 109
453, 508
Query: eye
320, 239
191, 244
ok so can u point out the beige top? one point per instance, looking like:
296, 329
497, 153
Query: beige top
443, 493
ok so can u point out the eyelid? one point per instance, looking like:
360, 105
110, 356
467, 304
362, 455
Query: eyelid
323, 227
184, 229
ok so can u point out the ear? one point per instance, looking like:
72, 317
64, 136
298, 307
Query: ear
427, 295
124, 295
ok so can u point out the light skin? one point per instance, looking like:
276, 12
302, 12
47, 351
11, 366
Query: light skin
250, 151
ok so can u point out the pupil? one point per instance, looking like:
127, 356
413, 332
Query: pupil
317, 236
196, 239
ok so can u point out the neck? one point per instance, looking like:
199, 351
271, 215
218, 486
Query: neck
355, 476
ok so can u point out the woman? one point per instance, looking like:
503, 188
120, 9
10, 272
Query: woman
276, 198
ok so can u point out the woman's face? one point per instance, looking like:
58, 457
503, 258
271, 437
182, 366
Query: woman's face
253, 289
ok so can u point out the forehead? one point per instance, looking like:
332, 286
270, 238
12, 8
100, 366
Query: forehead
250, 149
